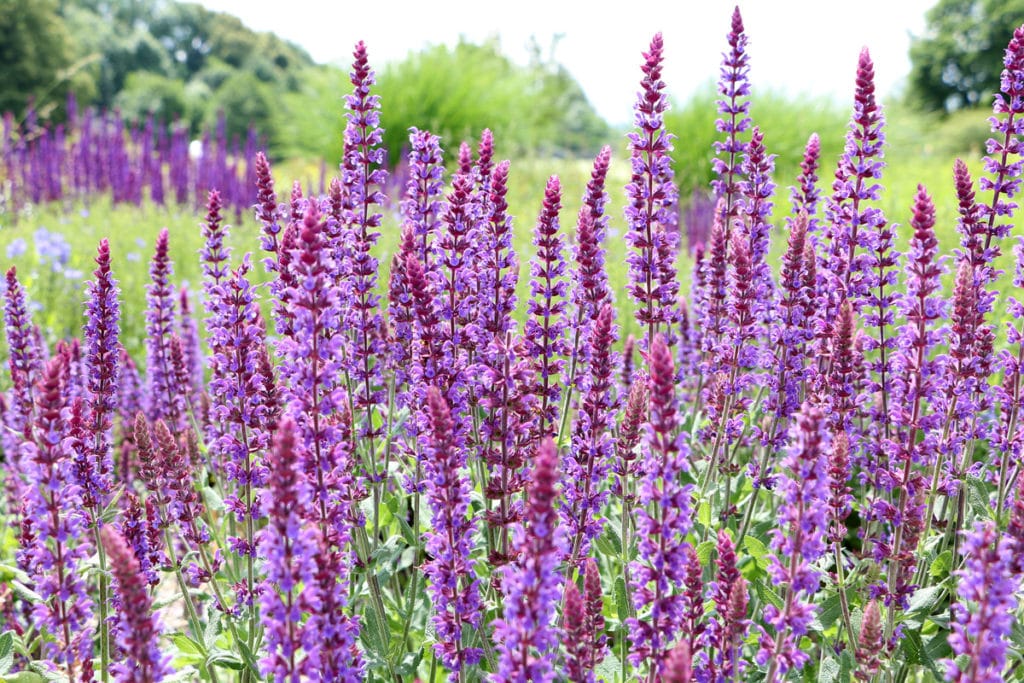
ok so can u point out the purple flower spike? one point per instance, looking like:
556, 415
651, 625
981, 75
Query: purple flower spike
424, 194
215, 253
25, 366
527, 634
52, 505
851, 223
798, 542
137, 630
652, 197
267, 212
103, 354
545, 328
805, 197
664, 518
1004, 175
983, 613
923, 307
166, 402
363, 176
241, 424
791, 332
289, 547
756, 212
454, 590
733, 121
590, 289
592, 449
499, 268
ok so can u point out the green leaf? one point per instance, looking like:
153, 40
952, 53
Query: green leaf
6, 652
8, 572
757, 550
210, 634
937, 647
225, 659
409, 664
374, 635
925, 600
704, 514
25, 593
621, 601
915, 653
609, 543
610, 669
977, 497
941, 565
768, 594
23, 677
45, 674
212, 499
830, 611
187, 646
846, 666
703, 552
828, 672
249, 659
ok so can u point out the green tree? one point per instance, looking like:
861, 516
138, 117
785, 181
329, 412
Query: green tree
115, 51
244, 101
957, 62
37, 56
148, 93
184, 31
457, 92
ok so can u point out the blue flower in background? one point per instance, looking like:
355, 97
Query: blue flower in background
17, 248
53, 250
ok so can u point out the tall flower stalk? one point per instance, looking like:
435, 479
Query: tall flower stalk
547, 324
664, 519
652, 195
527, 634
453, 587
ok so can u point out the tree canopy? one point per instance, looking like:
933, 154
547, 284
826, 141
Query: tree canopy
957, 62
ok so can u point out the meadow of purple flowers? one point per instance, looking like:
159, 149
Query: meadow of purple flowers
808, 472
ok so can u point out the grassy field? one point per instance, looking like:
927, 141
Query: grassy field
912, 158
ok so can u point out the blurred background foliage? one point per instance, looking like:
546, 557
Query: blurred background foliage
181, 61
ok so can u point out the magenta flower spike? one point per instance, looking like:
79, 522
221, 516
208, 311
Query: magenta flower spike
137, 629
52, 505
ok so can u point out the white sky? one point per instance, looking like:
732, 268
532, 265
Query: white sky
805, 47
